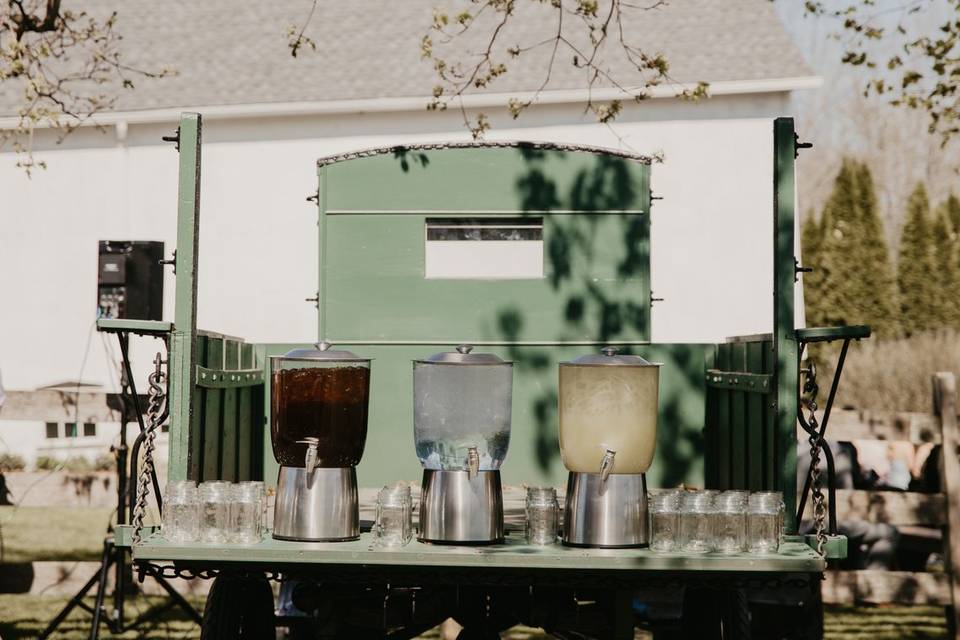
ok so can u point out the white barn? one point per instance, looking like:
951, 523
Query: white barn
268, 116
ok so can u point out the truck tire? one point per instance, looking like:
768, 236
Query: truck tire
239, 608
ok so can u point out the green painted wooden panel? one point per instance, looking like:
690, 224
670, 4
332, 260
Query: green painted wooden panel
245, 419
212, 415
755, 419
738, 421
784, 336
711, 469
197, 415
723, 428
534, 454
485, 179
228, 439
183, 345
596, 285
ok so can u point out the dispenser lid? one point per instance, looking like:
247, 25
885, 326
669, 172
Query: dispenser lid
463, 355
610, 356
322, 351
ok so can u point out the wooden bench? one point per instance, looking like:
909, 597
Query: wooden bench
926, 519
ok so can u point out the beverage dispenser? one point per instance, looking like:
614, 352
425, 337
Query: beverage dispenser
462, 406
608, 434
318, 428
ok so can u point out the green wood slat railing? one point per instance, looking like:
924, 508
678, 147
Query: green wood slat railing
710, 467
212, 414
738, 421
228, 439
769, 426
755, 420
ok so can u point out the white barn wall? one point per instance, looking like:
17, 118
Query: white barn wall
711, 235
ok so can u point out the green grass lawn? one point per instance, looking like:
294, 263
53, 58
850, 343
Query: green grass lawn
53, 533
23, 617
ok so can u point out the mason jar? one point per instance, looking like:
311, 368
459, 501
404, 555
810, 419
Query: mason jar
215, 512
246, 512
696, 521
765, 522
664, 507
543, 514
181, 512
394, 523
730, 530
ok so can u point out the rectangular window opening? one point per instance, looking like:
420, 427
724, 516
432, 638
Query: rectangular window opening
69, 429
484, 248
89, 429
53, 430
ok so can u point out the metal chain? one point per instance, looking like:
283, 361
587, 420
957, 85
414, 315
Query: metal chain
156, 401
810, 389
495, 144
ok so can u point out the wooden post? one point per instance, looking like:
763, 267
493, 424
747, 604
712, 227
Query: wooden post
945, 406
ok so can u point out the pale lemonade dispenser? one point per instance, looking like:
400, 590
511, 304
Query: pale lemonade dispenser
318, 427
462, 406
608, 434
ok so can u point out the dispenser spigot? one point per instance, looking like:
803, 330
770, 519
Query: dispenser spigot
310, 460
473, 463
606, 465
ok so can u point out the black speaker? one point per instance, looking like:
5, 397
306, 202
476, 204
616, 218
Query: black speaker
130, 280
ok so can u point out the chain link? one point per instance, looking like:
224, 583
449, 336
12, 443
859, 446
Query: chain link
810, 389
157, 400
436, 146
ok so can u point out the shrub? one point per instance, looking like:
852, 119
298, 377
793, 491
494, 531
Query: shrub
105, 462
46, 463
892, 374
11, 462
77, 464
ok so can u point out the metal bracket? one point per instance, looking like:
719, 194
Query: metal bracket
314, 198
315, 300
652, 299
225, 379
797, 269
171, 261
797, 145
175, 138
739, 381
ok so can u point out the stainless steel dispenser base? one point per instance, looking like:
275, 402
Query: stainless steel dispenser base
611, 514
320, 506
456, 509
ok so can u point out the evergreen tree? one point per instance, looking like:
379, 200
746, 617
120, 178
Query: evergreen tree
874, 286
811, 240
951, 208
917, 267
947, 301
856, 284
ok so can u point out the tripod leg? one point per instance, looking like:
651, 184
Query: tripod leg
74, 601
178, 599
108, 559
119, 589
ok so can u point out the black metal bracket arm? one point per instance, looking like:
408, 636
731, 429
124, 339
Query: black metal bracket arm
797, 146
797, 269
171, 261
175, 138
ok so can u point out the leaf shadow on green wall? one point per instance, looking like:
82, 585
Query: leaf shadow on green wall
571, 252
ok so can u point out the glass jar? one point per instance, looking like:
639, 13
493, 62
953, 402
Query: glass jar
765, 522
664, 507
394, 524
542, 515
696, 521
246, 512
608, 407
215, 512
461, 410
181, 512
319, 393
730, 529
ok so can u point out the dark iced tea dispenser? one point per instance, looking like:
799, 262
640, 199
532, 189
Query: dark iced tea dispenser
318, 427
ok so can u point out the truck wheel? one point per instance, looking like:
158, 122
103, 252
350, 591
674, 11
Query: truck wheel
735, 615
239, 608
